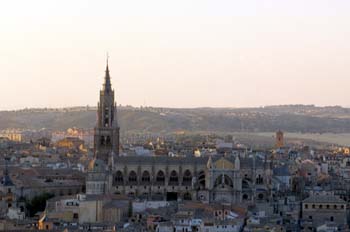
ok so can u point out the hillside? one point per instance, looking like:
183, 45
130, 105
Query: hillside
294, 118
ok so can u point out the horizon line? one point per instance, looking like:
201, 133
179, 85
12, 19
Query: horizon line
169, 107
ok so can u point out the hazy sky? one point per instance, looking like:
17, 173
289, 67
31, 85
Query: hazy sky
175, 53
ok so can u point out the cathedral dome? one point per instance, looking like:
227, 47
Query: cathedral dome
97, 165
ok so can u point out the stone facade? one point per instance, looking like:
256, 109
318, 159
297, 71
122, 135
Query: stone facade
225, 179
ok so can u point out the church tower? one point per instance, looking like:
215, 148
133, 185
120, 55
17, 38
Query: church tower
279, 139
106, 133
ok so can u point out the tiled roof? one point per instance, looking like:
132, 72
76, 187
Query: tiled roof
324, 199
150, 160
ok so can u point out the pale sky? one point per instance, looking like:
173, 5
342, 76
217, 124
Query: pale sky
179, 53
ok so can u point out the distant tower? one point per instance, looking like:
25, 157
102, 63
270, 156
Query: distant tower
106, 133
279, 139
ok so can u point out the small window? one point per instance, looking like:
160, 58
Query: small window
310, 217
306, 206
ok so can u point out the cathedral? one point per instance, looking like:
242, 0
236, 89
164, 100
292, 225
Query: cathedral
231, 178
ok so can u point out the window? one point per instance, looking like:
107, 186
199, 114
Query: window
106, 116
259, 180
132, 177
160, 177
306, 206
260, 196
119, 177
174, 179
146, 177
310, 217
187, 179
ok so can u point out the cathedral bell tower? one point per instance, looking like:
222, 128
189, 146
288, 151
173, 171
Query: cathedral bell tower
106, 132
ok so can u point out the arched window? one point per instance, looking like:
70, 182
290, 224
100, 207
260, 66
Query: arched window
145, 177
174, 178
259, 179
132, 177
187, 178
119, 177
223, 181
160, 179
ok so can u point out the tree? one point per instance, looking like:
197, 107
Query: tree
37, 204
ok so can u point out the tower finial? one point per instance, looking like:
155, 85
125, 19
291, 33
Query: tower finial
107, 57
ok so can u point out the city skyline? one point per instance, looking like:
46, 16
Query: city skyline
182, 55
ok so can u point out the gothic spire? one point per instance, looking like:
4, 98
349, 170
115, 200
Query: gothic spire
107, 87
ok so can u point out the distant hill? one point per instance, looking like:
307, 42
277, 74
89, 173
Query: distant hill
291, 118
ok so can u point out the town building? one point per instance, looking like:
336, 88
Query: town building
319, 209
